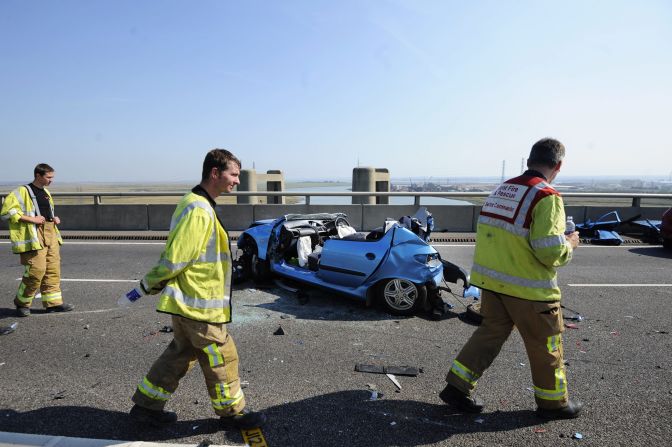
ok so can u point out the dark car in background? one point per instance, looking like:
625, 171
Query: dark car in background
666, 229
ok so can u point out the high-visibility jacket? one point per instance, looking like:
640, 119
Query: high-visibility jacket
22, 202
194, 271
520, 240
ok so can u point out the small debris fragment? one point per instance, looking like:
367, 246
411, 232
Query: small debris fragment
374, 395
87, 355
577, 435
279, 331
393, 423
244, 383
59, 395
382, 369
614, 333
571, 326
8, 329
479, 420
540, 430
166, 329
86, 327
394, 380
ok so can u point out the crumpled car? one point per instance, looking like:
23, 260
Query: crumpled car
391, 265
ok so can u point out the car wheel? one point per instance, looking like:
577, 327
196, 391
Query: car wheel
258, 269
401, 296
667, 243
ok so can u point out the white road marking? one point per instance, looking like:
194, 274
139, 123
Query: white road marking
619, 285
582, 246
67, 242
112, 243
93, 280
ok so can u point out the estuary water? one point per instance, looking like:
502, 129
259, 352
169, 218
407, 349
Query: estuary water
347, 200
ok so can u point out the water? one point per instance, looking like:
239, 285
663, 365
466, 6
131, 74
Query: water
347, 200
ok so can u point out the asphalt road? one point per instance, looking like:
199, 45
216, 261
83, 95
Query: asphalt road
73, 374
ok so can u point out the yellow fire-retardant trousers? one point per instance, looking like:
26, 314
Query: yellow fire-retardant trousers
42, 270
540, 325
211, 345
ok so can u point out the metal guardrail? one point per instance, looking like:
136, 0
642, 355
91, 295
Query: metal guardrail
98, 196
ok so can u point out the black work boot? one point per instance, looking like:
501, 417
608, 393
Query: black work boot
65, 307
22, 311
244, 420
571, 411
157, 418
462, 401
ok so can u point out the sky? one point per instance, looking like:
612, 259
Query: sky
140, 90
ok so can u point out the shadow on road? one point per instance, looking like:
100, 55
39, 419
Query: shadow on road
657, 252
316, 304
341, 418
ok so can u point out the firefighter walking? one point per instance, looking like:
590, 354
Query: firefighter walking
520, 242
193, 277
34, 235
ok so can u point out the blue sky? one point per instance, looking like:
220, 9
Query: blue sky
141, 90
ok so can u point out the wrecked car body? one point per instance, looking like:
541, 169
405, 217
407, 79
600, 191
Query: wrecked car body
391, 265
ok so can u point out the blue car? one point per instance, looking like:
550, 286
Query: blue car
391, 265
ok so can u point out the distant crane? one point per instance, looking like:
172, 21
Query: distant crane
503, 170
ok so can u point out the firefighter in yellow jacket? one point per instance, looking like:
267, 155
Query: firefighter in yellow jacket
34, 235
520, 241
193, 277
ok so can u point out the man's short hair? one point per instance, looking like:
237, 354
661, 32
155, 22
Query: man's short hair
546, 152
220, 159
42, 169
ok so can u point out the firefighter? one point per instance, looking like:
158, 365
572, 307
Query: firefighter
520, 241
193, 277
35, 238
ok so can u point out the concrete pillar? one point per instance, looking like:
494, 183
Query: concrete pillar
248, 182
363, 179
382, 185
275, 181
371, 180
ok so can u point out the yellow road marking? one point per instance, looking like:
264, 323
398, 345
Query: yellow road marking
253, 437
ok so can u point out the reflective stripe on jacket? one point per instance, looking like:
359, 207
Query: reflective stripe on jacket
22, 202
520, 240
194, 271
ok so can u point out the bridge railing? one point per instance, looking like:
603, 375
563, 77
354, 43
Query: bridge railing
97, 197
135, 214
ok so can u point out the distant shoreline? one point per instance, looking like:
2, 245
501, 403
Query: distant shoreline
318, 183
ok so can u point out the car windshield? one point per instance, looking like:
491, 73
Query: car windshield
316, 216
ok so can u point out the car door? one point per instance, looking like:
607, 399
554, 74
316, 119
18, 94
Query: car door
350, 263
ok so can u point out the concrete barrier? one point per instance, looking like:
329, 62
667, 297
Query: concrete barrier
364, 217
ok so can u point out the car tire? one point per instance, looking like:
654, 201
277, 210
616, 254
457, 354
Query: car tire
258, 269
667, 243
401, 296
